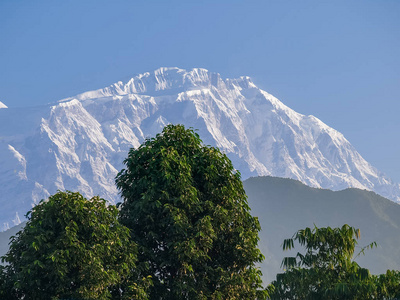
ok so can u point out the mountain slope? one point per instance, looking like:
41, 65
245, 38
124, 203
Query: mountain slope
285, 206
80, 142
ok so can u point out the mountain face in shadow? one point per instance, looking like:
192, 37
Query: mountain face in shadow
284, 206
5, 238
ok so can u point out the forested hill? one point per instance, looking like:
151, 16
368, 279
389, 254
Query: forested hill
285, 206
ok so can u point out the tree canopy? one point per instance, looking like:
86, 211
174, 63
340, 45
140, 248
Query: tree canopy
183, 231
70, 248
188, 213
327, 269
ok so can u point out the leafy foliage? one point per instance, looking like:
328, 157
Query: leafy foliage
327, 269
70, 248
388, 285
301, 206
188, 213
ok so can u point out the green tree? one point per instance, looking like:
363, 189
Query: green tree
388, 285
188, 213
70, 248
327, 269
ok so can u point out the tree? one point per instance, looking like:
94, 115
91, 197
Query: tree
388, 285
327, 269
70, 248
188, 213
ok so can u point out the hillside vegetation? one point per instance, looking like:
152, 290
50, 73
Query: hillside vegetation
285, 205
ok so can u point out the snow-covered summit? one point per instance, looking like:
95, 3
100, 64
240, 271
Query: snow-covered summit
162, 81
80, 142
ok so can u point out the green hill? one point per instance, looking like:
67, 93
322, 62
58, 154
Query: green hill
285, 205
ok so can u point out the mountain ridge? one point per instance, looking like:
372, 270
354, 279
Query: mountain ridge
284, 206
79, 143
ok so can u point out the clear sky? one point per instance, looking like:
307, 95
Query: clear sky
338, 60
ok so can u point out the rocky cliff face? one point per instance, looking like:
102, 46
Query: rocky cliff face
80, 142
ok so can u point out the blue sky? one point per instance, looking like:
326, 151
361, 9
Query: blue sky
337, 60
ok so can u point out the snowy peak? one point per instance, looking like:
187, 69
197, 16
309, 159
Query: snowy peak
163, 81
2, 105
80, 142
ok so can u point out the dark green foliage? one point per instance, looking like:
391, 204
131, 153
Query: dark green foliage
327, 269
70, 248
286, 205
388, 285
188, 213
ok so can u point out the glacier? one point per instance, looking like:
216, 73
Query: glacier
79, 143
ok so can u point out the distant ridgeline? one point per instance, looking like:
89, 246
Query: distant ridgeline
5, 237
285, 206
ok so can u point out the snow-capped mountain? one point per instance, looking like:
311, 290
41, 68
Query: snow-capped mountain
80, 142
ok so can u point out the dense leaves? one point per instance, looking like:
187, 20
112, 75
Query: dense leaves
191, 237
70, 248
327, 269
388, 285
188, 213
